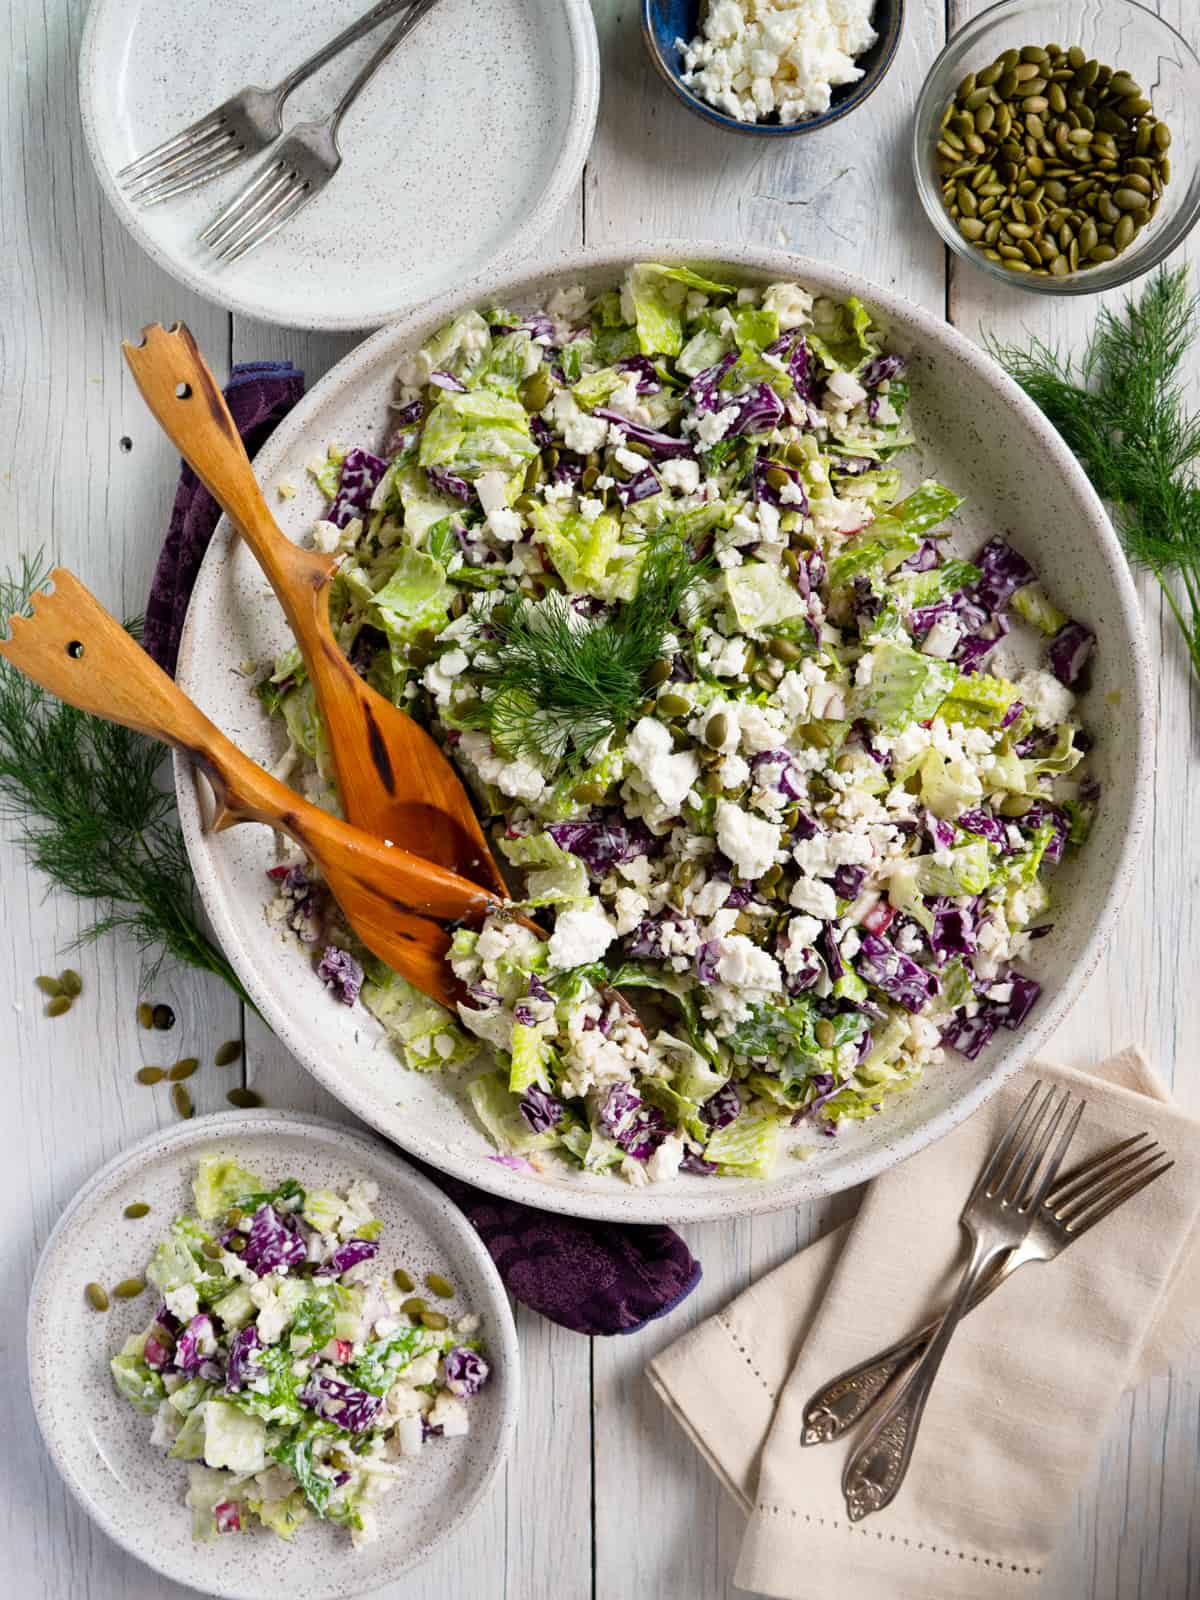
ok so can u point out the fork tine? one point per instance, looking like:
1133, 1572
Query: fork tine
1033, 1200
199, 171
199, 150
168, 147
1089, 1172
1118, 1198
1007, 1185
264, 205
287, 207
1003, 1144
246, 197
1135, 1163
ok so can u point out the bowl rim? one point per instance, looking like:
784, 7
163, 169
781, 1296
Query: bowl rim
215, 289
1095, 281
858, 92
227, 1125
650, 1204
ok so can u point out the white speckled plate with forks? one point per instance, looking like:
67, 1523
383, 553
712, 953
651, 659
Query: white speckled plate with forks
101, 1445
459, 153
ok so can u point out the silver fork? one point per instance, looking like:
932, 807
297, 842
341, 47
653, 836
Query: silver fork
236, 131
1078, 1201
996, 1218
304, 163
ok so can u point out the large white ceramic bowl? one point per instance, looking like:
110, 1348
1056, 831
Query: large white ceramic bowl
977, 432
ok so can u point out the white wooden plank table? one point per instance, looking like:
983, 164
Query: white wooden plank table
602, 1496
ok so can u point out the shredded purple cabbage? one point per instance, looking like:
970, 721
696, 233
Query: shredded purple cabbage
705, 387
341, 1403
827, 944
243, 1358
969, 1035
188, 1355
761, 490
637, 1128
346, 1256
662, 445
464, 1371
1002, 571
648, 379
1069, 651
880, 369
986, 827
759, 410
441, 379
273, 1241
643, 487
341, 974
604, 843
897, 975
955, 929
708, 959
361, 472
540, 1110
449, 483
923, 559
848, 882
722, 1108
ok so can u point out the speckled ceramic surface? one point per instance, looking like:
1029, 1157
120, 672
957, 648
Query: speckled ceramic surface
459, 153
101, 1445
977, 432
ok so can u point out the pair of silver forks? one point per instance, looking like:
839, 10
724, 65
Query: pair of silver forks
1019, 1211
251, 121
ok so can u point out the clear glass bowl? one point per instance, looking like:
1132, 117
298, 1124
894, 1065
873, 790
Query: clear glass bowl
1128, 38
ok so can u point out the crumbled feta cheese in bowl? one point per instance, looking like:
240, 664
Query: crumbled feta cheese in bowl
776, 63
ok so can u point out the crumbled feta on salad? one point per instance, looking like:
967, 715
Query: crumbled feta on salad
792, 804
292, 1380
758, 60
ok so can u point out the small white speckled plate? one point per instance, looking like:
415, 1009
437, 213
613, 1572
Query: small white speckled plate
460, 152
101, 1445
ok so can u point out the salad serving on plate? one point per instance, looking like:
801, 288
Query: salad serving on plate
291, 1377
753, 741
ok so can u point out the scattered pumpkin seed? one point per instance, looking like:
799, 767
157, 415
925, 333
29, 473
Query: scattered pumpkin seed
716, 730
97, 1296
137, 1208
182, 1101
658, 673
674, 705
228, 1053
162, 1017
130, 1288
244, 1099
50, 986
403, 1280
72, 983
440, 1286
211, 1249
150, 1075
182, 1069
435, 1320
414, 1306
59, 1006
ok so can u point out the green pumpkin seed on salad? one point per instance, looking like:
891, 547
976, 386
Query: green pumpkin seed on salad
745, 730
289, 1378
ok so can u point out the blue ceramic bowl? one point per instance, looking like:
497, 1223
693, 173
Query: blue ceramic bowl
666, 21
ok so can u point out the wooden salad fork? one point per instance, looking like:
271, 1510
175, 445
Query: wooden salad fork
393, 778
397, 902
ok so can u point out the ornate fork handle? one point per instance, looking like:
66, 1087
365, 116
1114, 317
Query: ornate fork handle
876, 1469
833, 1410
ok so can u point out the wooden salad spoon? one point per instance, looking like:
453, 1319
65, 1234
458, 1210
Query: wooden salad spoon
393, 779
396, 901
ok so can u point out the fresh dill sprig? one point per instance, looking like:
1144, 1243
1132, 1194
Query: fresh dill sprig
1121, 410
91, 813
561, 683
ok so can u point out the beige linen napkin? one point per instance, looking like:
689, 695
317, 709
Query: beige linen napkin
1024, 1392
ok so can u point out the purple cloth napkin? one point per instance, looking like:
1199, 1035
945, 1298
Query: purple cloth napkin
592, 1277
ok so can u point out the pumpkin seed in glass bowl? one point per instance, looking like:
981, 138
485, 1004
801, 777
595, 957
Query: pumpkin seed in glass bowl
1055, 143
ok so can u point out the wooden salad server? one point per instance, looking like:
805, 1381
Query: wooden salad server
393, 779
394, 900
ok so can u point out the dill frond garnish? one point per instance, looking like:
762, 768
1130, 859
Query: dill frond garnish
1121, 410
561, 683
91, 812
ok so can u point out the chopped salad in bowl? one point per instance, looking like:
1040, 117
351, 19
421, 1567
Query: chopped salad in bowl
291, 1377
755, 742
